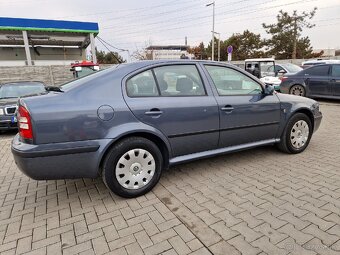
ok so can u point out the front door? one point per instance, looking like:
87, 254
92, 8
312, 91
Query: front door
336, 80
246, 114
173, 99
318, 80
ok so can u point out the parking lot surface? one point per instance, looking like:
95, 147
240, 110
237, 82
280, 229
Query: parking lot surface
259, 201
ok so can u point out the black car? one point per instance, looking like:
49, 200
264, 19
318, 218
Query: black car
321, 81
9, 94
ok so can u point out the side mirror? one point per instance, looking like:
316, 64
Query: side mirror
281, 72
268, 90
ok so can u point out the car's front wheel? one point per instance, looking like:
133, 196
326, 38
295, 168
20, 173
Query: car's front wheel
297, 134
132, 167
298, 90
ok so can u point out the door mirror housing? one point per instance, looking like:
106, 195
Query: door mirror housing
268, 90
281, 72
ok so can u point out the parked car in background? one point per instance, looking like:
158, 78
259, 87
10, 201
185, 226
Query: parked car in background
9, 94
320, 81
279, 70
131, 122
268, 71
315, 62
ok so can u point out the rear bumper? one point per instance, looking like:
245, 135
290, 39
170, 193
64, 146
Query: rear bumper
58, 161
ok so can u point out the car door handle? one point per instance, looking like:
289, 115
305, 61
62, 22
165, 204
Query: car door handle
154, 112
227, 108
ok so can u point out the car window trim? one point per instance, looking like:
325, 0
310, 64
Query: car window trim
135, 74
199, 74
230, 67
156, 81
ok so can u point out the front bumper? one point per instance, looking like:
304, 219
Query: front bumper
7, 122
69, 160
317, 121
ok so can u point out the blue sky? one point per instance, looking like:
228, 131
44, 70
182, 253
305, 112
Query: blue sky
134, 24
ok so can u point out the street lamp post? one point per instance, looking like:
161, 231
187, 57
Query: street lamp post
213, 31
218, 46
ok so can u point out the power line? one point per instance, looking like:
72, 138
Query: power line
108, 50
202, 23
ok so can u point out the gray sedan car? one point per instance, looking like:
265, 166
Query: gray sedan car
129, 123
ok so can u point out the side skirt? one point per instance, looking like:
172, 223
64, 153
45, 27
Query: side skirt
211, 153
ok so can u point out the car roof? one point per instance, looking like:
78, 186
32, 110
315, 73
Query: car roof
317, 61
146, 63
260, 59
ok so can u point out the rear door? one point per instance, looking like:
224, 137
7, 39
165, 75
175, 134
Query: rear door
336, 80
246, 114
173, 99
318, 80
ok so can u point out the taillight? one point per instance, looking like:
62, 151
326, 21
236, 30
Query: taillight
283, 78
24, 123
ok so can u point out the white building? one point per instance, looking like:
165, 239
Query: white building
167, 52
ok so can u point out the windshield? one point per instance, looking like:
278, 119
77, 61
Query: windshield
15, 90
291, 68
267, 68
86, 70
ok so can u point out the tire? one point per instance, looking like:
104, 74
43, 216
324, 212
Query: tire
297, 90
297, 134
132, 167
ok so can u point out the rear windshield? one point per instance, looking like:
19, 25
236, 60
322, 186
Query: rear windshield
15, 90
77, 82
292, 68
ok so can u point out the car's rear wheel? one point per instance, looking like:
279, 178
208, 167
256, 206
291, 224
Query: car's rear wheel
132, 167
297, 134
298, 90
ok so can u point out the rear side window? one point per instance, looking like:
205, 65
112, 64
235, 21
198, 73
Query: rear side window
317, 71
179, 80
336, 70
142, 85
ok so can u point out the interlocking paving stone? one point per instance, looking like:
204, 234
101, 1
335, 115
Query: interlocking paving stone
253, 202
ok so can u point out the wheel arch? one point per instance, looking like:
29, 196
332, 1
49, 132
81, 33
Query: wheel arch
307, 112
160, 143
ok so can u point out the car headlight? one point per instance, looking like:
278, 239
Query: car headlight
1, 111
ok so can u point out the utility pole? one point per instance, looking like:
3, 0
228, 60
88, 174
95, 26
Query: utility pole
295, 39
218, 45
213, 32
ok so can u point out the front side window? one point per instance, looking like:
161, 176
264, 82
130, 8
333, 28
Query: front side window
179, 80
142, 85
317, 71
231, 82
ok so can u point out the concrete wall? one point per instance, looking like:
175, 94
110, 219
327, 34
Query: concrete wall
50, 75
